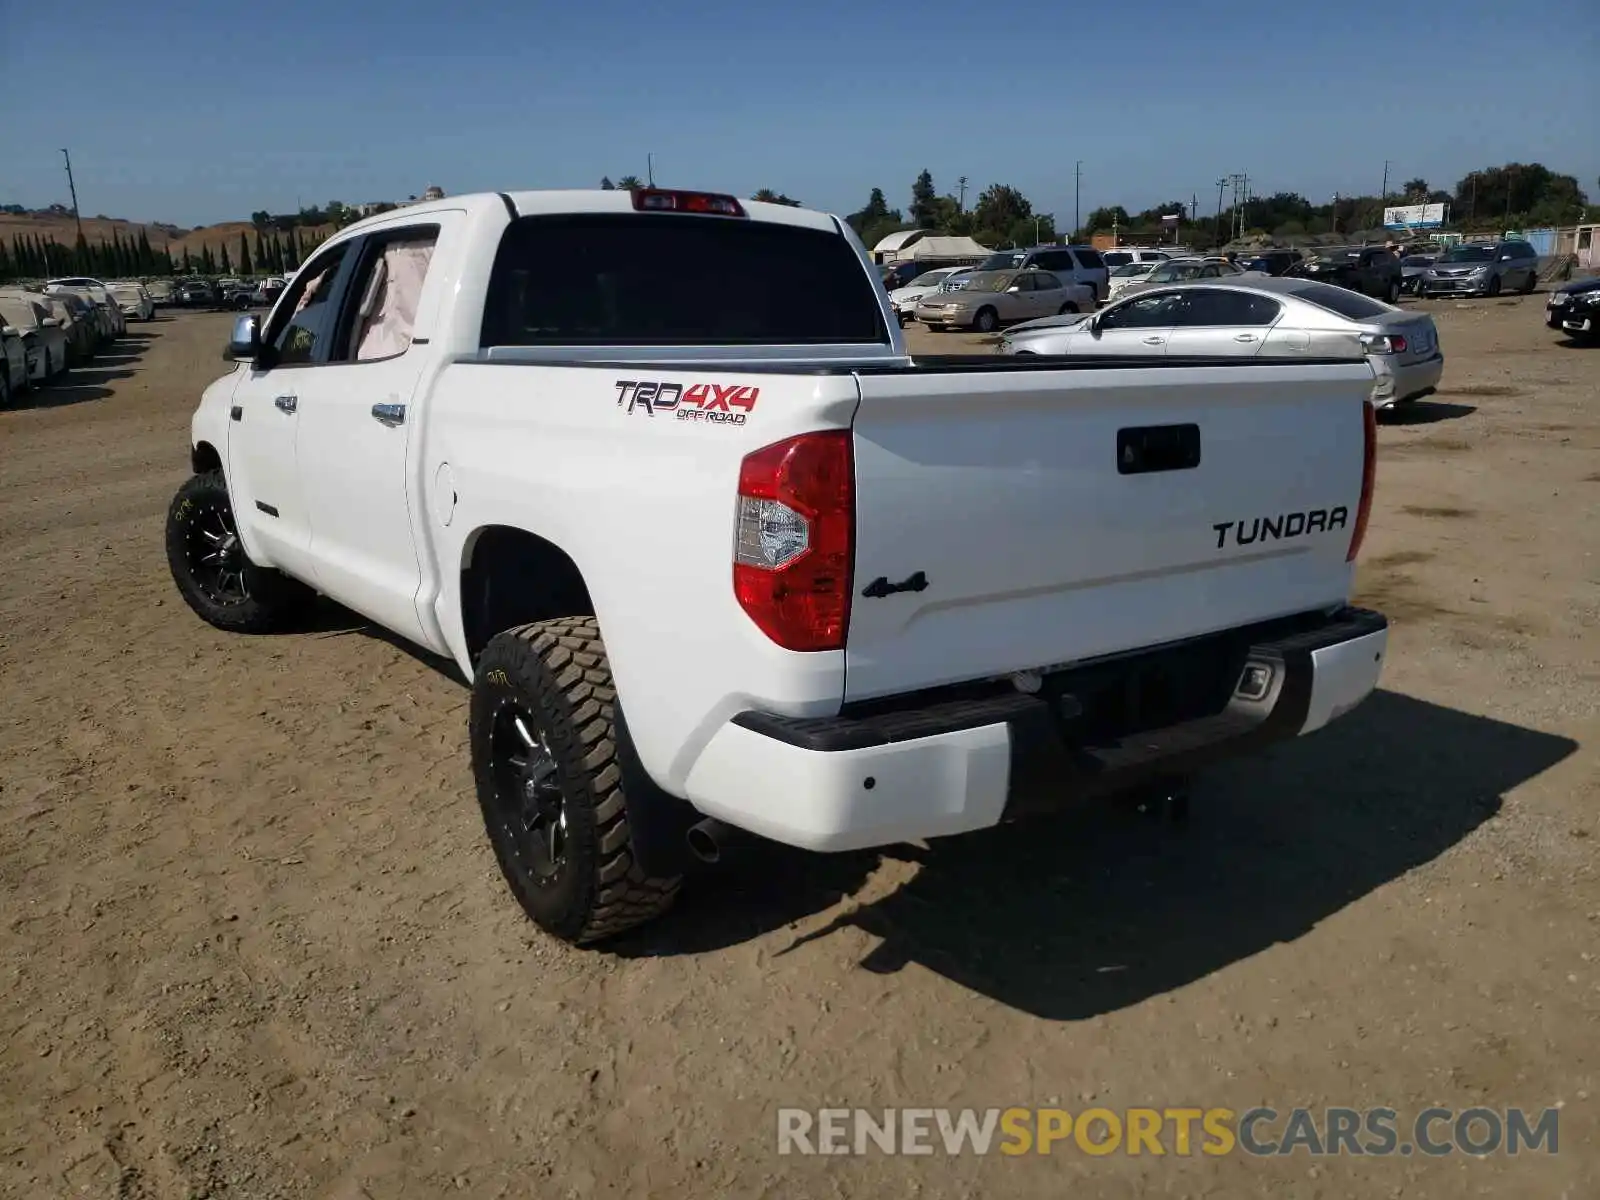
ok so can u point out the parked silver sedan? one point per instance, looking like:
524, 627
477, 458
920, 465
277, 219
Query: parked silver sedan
989, 299
1250, 316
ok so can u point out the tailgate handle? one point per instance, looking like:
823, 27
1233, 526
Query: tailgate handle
1145, 449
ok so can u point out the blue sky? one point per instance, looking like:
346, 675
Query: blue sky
202, 112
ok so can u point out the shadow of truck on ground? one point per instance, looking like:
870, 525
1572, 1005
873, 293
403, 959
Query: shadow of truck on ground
1099, 908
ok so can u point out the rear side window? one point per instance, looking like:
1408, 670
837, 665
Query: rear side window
1089, 259
1216, 306
665, 280
1117, 258
1346, 303
1053, 260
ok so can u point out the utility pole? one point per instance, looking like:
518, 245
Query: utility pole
1217, 232
961, 197
1244, 201
1333, 213
1383, 192
73, 188
1077, 191
650, 168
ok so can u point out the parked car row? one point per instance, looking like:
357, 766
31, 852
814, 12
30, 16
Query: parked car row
43, 334
234, 294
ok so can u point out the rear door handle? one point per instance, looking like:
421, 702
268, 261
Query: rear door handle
287, 403
389, 414
1153, 341
1245, 337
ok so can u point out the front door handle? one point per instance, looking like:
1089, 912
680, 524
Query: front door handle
1244, 337
287, 403
389, 414
1153, 341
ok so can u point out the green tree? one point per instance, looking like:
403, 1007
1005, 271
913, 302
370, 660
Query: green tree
188, 268
1105, 219
80, 253
227, 265
1416, 190
1000, 210
147, 257
244, 254
629, 183
924, 202
768, 196
606, 185
208, 265
261, 258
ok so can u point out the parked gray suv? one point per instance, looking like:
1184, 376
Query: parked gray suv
1483, 269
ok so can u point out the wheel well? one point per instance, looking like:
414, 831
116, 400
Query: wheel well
204, 457
511, 577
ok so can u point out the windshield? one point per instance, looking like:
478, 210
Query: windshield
1133, 270
125, 291
1171, 272
14, 313
1337, 255
1470, 254
1002, 261
989, 281
928, 280
1416, 260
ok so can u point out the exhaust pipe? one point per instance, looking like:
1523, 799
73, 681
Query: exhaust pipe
709, 840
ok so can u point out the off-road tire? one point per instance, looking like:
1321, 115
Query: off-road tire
558, 674
271, 601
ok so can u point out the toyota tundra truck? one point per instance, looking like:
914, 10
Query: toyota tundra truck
719, 557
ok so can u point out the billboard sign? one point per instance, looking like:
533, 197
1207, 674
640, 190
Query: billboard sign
1414, 216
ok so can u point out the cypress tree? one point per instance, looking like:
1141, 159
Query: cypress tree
244, 254
261, 253
147, 258
227, 266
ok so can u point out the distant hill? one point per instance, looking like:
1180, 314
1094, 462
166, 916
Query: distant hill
61, 227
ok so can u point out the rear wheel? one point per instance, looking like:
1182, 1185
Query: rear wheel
544, 757
5, 385
1068, 307
214, 575
987, 320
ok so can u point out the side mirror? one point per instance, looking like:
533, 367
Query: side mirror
10, 331
245, 344
1013, 289
51, 322
1507, 257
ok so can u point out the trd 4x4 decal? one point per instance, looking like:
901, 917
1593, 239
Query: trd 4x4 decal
713, 403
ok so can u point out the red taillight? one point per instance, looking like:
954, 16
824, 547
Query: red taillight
1369, 477
794, 545
662, 200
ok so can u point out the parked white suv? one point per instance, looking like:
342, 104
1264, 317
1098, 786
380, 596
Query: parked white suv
715, 560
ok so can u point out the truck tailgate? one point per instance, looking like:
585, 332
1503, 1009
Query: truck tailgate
1018, 519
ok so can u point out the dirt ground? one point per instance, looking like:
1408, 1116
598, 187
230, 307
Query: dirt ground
255, 944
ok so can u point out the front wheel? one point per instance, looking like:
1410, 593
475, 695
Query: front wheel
214, 575
1392, 292
549, 780
1494, 286
987, 320
1533, 282
1068, 307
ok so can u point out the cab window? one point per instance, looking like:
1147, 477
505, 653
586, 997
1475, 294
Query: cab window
305, 325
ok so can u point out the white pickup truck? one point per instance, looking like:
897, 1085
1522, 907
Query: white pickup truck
655, 469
